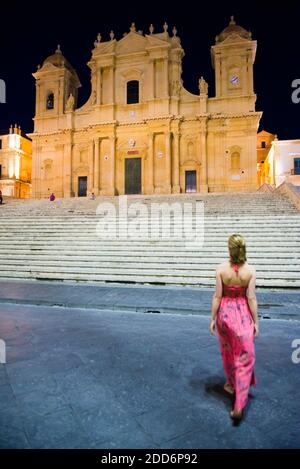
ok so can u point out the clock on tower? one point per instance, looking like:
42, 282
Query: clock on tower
233, 57
234, 80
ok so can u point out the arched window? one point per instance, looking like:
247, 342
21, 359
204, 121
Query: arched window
50, 101
132, 92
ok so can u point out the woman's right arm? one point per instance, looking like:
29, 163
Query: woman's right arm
252, 301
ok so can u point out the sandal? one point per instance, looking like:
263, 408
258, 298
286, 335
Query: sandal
236, 415
228, 388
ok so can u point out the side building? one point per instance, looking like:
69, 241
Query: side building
15, 163
278, 160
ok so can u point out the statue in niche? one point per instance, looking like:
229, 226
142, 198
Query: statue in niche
94, 97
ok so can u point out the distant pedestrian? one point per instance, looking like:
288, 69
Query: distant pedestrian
93, 197
1, 198
52, 197
234, 314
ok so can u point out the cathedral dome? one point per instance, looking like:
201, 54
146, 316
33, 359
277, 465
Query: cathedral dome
233, 28
58, 60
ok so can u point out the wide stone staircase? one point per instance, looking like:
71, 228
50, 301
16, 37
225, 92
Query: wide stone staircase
76, 240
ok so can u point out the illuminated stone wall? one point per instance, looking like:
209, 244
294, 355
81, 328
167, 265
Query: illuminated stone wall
172, 130
16, 164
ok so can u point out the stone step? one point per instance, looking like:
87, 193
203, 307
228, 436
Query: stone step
280, 210
87, 231
219, 225
143, 248
130, 257
129, 241
188, 228
14, 228
93, 221
42, 240
60, 216
111, 265
141, 270
262, 206
144, 279
252, 242
271, 257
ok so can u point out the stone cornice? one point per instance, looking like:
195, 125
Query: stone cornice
166, 118
234, 115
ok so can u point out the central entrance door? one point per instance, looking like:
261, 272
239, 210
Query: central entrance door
82, 186
133, 176
190, 181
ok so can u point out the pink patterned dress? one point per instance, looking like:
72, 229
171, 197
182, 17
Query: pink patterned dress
236, 331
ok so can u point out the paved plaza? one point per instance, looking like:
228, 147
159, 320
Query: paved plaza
279, 304
103, 377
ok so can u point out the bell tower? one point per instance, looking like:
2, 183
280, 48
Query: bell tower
233, 56
57, 86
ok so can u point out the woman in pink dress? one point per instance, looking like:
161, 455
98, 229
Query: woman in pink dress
234, 314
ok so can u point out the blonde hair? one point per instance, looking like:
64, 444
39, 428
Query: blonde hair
237, 249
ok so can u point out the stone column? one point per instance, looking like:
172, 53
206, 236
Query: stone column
67, 167
218, 76
34, 172
112, 84
152, 79
39, 170
96, 165
204, 182
176, 162
60, 98
249, 78
111, 189
99, 86
166, 78
91, 167
150, 177
38, 103
168, 161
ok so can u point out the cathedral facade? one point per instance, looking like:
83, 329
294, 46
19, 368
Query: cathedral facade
141, 131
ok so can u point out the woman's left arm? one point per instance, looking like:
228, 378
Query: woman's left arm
216, 300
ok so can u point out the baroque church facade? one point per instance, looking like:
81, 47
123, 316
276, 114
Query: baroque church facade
141, 131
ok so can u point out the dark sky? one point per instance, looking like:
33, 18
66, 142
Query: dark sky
28, 34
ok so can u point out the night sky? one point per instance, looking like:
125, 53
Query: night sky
28, 34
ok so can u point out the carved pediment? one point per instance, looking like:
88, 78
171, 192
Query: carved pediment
234, 37
105, 48
131, 43
46, 68
154, 41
